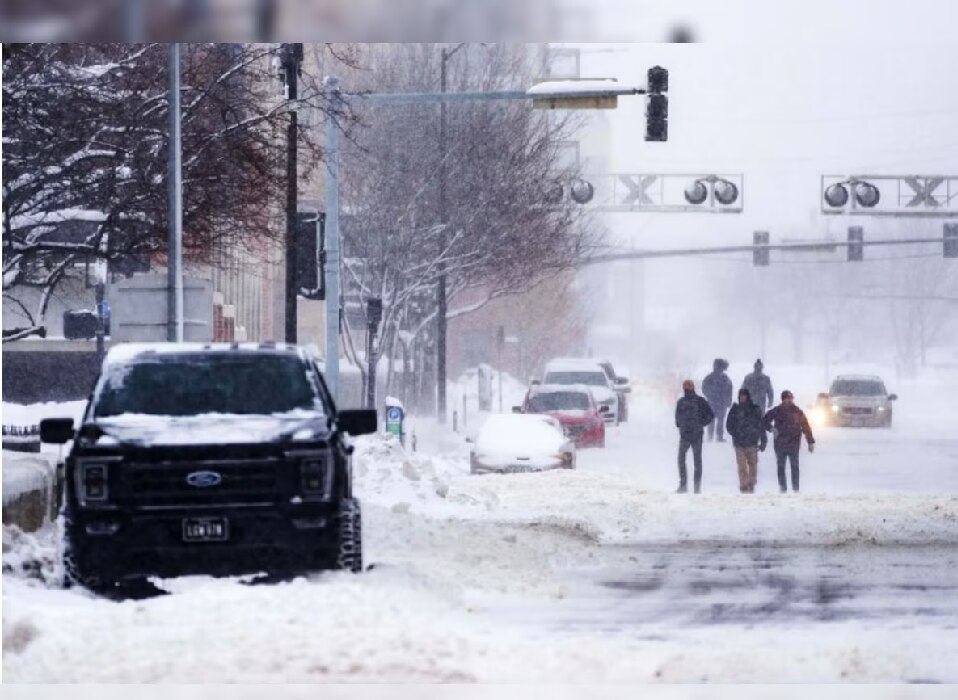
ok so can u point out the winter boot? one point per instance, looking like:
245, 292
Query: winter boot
682, 489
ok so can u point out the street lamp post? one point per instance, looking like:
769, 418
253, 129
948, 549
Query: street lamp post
441, 299
174, 253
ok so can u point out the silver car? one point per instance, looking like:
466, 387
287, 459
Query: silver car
858, 401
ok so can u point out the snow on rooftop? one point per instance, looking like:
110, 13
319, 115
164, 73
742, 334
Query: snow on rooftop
124, 352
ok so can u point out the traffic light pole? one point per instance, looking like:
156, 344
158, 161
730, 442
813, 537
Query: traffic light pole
292, 55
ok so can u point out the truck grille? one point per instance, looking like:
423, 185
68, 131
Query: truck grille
165, 483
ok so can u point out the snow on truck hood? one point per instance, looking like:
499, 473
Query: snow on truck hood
209, 429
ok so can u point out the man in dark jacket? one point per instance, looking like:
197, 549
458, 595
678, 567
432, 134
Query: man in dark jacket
745, 426
692, 414
788, 423
717, 388
759, 386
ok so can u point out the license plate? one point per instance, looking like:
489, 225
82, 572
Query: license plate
205, 529
518, 468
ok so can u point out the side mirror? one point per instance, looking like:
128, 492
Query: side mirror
362, 421
621, 381
893, 397
56, 431
535, 382
517, 409
469, 440
604, 409
823, 397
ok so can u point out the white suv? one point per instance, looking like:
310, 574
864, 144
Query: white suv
589, 372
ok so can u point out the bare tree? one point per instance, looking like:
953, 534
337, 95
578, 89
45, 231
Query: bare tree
501, 159
85, 152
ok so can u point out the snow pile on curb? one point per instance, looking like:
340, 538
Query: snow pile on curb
388, 475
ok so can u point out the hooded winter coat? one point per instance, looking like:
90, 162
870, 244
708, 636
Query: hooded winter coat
692, 414
717, 387
744, 424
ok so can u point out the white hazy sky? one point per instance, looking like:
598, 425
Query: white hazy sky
783, 92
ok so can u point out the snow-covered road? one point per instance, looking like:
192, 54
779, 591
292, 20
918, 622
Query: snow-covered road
598, 574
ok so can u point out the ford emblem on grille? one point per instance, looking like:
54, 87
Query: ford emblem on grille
204, 479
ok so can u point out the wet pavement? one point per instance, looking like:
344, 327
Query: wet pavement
645, 591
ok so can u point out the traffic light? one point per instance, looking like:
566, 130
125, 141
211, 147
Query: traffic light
760, 249
856, 250
657, 107
951, 241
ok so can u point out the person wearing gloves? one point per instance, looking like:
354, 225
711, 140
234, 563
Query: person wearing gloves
788, 423
744, 424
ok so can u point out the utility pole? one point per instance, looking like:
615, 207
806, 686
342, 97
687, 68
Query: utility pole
331, 86
292, 56
441, 266
174, 253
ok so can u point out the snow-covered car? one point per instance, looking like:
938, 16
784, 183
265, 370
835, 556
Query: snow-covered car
519, 442
575, 409
621, 386
857, 401
208, 459
568, 371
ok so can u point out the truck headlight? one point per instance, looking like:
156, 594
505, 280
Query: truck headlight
312, 475
835, 408
94, 482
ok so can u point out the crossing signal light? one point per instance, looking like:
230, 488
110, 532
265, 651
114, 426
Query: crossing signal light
760, 249
856, 248
657, 107
951, 241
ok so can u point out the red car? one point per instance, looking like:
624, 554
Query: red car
575, 409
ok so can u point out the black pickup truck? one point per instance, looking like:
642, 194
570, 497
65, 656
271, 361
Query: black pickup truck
208, 459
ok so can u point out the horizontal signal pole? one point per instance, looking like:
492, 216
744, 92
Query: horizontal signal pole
688, 252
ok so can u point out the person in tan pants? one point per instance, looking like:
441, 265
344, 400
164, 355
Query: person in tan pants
744, 424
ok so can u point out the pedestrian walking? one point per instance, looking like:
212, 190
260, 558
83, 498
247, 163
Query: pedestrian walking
759, 387
717, 389
788, 423
692, 414
745, 425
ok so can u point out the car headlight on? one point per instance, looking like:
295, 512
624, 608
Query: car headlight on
881, 409
835, 408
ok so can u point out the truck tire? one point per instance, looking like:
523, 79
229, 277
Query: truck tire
349, 550
74, 576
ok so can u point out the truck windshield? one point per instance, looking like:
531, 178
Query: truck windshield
559, 401
189, 385
857, 387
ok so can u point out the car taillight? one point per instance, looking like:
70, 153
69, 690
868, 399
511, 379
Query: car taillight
312, 475
94, 483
